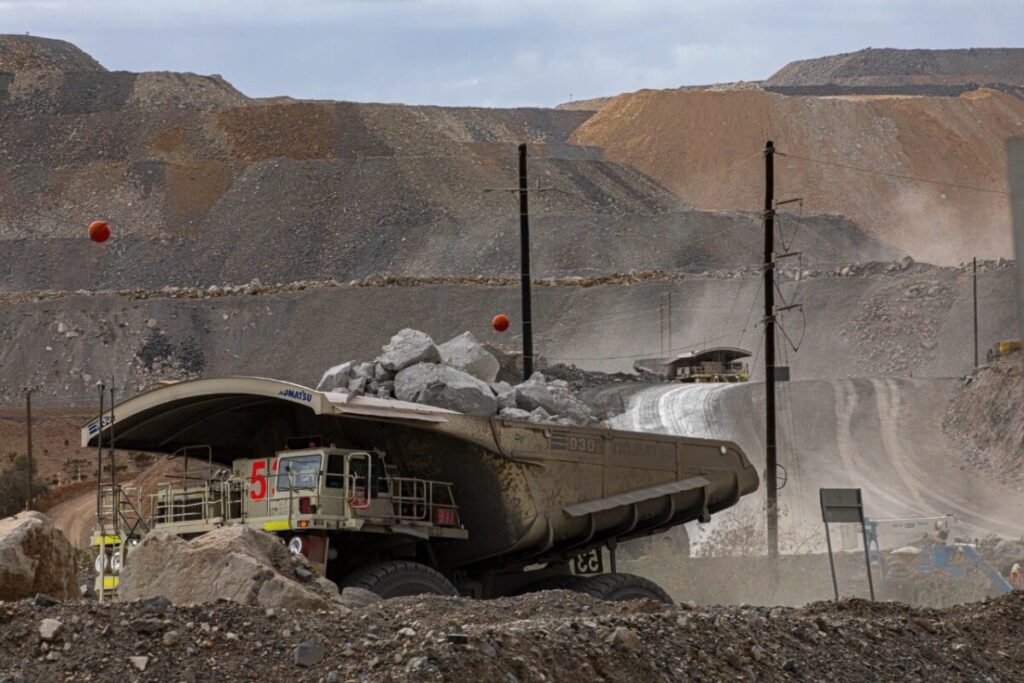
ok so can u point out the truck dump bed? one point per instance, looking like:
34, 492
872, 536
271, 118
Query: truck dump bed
527, 492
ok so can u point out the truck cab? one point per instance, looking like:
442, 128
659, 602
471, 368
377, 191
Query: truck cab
319, 496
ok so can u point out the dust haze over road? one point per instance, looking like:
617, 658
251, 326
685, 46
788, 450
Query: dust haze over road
883, 435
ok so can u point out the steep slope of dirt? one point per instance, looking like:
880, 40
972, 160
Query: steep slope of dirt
65, 343
704, 146
891, 67
985, 416
30, 53
189, 171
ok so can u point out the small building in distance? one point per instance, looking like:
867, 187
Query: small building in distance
716, 364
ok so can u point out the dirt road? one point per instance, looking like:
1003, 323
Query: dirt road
76, 518
883, 435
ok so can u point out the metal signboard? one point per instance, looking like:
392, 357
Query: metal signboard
844, 506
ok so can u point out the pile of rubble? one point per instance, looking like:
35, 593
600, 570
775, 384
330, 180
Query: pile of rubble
984, 417
459, 375
897, 328
552, 635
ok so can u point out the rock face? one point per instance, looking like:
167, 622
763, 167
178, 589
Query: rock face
234, 563
35, 557
409, 347
445, 387
466, 353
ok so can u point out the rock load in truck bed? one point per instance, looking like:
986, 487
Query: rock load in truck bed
459, 375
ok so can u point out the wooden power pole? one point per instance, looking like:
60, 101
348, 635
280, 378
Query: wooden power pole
524, 272
771, 480
974, 288
28, 439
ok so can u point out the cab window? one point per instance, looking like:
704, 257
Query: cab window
305, 470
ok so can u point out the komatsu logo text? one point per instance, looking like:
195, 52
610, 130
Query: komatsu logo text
297, 394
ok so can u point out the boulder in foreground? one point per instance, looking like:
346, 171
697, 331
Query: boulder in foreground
235, 563
35, 557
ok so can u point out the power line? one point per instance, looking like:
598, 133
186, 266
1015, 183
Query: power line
889, 174
678, 349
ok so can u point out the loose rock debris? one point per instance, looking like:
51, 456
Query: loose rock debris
556, 635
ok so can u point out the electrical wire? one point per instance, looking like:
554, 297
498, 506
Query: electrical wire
890, 174
675, 350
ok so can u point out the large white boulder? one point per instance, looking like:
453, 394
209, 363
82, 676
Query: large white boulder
35, 557
465, 353
236, 563
445, 387
336, 377
555, 399
408, 347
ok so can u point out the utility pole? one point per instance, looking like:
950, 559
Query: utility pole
28, 433
661, 318
669, 316
524, 277
771, 483
113, 456
974, 281
99, 459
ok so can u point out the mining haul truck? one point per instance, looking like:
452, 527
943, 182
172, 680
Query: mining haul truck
403, 498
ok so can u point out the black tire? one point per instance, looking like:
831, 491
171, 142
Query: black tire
563, 582
400, 577
623, 587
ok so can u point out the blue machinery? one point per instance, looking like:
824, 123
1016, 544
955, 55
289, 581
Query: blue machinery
953, 559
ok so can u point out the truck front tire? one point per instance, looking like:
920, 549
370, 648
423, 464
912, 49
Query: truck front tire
400, 577
623, 587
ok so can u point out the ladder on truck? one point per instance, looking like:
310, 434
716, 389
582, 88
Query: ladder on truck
119, 523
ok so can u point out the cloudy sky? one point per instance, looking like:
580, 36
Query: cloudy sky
497, 52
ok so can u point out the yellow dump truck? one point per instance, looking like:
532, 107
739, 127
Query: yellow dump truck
403, 498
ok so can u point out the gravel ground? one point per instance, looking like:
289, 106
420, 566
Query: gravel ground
546, 636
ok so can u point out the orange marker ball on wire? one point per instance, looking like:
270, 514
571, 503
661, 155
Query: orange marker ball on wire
99, 231
500, 322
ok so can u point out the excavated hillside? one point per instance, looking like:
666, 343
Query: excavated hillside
855, 321
905, 69
705, 146
203, 185
985, 418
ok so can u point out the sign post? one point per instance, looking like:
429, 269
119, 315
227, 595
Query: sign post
844, 506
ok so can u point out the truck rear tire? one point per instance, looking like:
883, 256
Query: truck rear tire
623, 587
400, 577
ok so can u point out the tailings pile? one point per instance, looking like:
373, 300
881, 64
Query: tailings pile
924, 72
844, 156
187, 170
